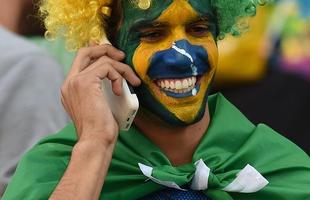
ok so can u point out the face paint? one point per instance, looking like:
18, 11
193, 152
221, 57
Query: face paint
177, 67
175, 70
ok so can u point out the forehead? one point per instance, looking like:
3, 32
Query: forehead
134, 11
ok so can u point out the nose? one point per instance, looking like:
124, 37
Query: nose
181, 60
179, 33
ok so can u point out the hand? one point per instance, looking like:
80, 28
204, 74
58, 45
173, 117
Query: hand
82, 96
96, 128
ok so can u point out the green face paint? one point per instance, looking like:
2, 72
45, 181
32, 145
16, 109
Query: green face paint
128, 37
203, 7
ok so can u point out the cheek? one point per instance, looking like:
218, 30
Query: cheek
143, 54
210, 45
141, 59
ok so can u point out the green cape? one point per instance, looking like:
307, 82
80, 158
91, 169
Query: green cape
230, 143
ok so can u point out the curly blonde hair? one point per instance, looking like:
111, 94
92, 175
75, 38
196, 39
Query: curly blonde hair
81, 22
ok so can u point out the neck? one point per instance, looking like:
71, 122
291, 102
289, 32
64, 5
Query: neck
178, 143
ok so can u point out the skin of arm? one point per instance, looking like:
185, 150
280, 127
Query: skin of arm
96, 128
85, 174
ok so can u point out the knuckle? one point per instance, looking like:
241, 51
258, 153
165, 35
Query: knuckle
104, 59
105, 66
104, 62
126, 70
116, 75
83, 51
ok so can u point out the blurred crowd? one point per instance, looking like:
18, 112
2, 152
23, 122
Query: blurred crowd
265, 73
295, 40
277, 37
30, 81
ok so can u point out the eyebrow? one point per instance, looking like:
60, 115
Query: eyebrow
145, 24
206, 17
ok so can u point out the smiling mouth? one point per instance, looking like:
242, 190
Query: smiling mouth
179, 88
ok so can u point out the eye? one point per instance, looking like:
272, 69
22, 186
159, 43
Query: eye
198, 29
152, 35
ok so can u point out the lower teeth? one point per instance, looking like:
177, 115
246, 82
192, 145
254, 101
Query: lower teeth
179, 91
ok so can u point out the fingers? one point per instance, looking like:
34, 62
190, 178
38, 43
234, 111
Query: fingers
99, 62
106, 70
123, 69
87, 55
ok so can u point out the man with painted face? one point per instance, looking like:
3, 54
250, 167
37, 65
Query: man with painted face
175, 59
184, 144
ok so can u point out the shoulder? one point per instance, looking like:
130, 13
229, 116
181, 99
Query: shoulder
281, 162
11, 41
17, 53
237, 142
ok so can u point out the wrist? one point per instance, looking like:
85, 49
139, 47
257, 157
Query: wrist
90, 147
103, 136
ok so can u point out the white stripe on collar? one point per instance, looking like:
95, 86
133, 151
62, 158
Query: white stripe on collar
248, 180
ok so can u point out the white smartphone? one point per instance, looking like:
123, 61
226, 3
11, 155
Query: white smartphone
124, 107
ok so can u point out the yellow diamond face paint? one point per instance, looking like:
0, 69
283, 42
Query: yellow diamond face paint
176, 60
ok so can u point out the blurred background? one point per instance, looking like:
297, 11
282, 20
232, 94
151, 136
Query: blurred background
265, 73
30, 81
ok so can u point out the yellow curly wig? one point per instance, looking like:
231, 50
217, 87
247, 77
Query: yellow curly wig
79, 21
82, 21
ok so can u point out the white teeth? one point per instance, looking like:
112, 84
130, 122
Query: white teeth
177, 85
172, 85
190, 82
162, 84
167, 84
194, 79
185, 83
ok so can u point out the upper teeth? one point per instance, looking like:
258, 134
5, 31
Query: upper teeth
177, 84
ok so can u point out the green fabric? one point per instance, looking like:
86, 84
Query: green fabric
230, 143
